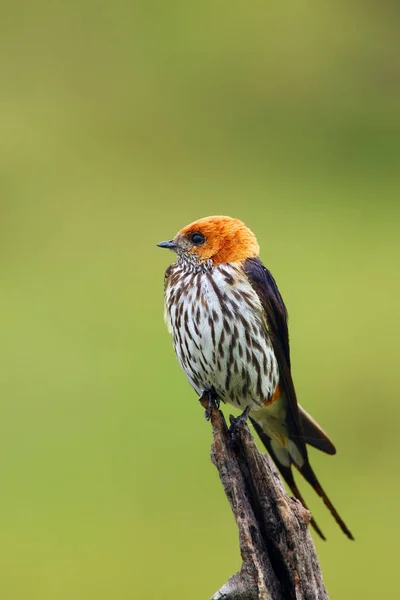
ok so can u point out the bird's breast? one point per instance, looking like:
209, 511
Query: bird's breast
221, 335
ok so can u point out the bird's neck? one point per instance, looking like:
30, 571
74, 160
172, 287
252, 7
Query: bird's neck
189, 265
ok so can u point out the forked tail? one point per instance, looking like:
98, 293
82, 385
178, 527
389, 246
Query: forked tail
308, 474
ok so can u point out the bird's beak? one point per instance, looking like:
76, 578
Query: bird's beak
171, 245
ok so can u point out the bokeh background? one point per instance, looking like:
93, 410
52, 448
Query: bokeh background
120, 123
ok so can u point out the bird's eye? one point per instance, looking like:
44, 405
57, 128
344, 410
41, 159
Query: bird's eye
197, 239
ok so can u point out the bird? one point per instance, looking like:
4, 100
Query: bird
230, 333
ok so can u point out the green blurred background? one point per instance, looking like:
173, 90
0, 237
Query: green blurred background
120, 123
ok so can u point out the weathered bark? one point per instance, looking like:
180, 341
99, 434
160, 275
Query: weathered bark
279, 561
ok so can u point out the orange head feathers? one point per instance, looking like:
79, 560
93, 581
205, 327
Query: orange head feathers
218, 239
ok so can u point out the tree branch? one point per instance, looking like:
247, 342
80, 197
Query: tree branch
279, 561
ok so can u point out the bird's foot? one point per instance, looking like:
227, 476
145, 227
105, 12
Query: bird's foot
236, 422
213, 402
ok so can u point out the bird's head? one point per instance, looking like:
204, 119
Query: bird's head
217, 239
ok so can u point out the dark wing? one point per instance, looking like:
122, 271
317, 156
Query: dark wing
276, 316
272, 302
314, 434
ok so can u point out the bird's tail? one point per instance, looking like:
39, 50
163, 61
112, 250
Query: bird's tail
310, 476
306, 470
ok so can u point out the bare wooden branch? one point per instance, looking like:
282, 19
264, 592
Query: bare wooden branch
279, 561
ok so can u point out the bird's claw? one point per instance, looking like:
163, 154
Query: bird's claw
213, 402
236, 422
